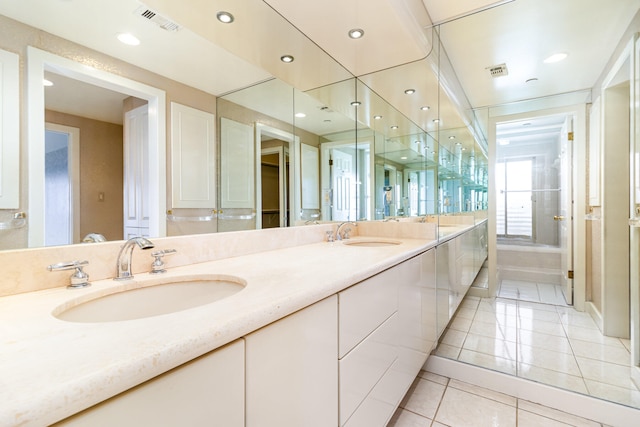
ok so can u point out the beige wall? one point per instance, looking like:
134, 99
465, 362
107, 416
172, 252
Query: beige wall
100, 172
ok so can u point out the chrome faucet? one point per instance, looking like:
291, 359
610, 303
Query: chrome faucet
346, 233
123, 267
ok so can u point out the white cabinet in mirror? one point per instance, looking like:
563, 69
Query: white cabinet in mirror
9, 131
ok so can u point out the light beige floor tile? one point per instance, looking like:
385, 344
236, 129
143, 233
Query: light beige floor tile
544, 341
433, 377
470, 303
626, 344
502, 318
536, 306
551, 328
553, 378
491, 346
613, 393
447, 351
498, 305
459, 408
554, 414
487, 361
460, 324
588, 334
548, 359
423, 397
551, 294
453, 337
607, 353
604, 372
576, 318
404, 418
529, 419
484, 392
537, 314
465, 313
494, 330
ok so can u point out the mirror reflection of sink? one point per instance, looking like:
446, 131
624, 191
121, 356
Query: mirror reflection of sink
370, 243
169, 296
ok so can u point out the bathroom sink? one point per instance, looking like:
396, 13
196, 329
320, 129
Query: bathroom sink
370, 242
157, 298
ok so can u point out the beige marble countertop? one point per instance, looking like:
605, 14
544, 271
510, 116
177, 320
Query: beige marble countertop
51, 369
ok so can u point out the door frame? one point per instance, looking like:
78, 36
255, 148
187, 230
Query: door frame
578, 172
39, 61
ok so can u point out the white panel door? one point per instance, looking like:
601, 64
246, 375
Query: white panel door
136, 172
9, 131
193, 158
237, 169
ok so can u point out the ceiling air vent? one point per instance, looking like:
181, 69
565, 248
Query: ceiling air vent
498, 70
159, 20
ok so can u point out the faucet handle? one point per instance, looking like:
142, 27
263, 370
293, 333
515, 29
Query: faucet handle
345, 234
157, 266
79, 279
329, 236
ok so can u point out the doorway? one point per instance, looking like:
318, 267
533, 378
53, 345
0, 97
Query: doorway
62, 201
533, 220
40, 62
275, 185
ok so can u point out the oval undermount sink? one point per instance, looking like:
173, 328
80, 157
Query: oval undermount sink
164, 297
370, 243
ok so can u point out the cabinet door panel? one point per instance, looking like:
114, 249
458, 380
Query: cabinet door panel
292, 370
206, 391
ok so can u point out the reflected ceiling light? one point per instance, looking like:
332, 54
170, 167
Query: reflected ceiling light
377, 117
452, 137
225, 17
417, 142
503, 141
128, 39
356, 103
458, 143
301, 115
410, 91
436, 120
464, 149
556, 57
394, 127
403, 158
47, 83
356, 33
286, 58
425, 108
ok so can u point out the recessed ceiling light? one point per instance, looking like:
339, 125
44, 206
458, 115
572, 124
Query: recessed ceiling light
452, 137
458, 143
417, 142
410, 91
128, 38
436, 120
403, 158
46, 82
286, 58
425, 108
556, 57
377, 117
301, 115
394, 127
356, 33
225, 17
356, 103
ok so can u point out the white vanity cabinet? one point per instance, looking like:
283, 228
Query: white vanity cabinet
387, 329
206, 391
292, 369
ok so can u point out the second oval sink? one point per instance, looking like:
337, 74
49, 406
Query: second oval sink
170, 296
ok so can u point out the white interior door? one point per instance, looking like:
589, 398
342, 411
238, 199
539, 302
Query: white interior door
136, 173
564, 218
343, 186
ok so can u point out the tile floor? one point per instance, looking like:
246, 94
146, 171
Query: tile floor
545, 293
438, 401
550, 344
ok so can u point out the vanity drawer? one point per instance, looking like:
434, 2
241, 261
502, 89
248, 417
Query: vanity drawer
363, 307
363, 367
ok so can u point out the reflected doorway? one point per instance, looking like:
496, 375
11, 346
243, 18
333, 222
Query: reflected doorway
62, 193
275, 186
533, 202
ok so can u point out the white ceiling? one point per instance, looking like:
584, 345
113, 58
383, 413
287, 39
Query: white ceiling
395, 54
